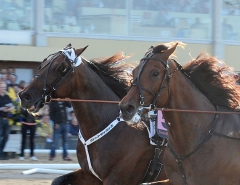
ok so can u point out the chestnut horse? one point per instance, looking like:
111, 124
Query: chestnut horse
201, 102
109, 150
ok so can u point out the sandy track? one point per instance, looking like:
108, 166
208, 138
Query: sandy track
15, 177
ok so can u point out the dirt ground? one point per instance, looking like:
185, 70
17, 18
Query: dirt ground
15, 177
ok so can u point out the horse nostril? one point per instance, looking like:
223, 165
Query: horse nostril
26, 96
130, 109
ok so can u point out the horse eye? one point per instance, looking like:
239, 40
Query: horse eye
156, 73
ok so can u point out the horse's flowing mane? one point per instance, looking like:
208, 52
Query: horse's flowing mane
214, 79
114, 72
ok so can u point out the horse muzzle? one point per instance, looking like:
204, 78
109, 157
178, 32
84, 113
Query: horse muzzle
128, 110
28, 102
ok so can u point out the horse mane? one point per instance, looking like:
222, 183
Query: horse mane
215, 79
114, 72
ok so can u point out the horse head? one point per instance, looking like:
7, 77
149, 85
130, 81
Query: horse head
154, 67
53, 78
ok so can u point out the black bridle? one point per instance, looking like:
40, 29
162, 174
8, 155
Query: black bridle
65, 68
167, 75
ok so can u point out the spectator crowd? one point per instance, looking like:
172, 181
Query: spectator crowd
69, 16
55, 120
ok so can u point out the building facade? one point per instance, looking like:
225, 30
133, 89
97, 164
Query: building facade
30, 30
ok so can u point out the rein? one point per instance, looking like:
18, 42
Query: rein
162, 109
89, 101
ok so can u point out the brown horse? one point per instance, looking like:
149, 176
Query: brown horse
109, 151
204, 144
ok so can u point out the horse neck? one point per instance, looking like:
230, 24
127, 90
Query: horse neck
186, 127
92, 117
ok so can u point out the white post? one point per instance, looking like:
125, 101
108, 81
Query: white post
40, 37
218, 46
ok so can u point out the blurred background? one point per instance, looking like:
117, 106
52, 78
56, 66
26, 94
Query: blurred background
30, 30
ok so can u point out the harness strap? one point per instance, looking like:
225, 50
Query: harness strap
179, 159
222, 135
95, 138
154, 167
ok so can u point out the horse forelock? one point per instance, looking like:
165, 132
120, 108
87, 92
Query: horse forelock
161, 48
215, 79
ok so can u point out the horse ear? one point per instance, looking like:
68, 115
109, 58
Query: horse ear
80, 51
166, 53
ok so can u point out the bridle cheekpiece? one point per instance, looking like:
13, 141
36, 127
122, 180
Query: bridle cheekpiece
143, 61
63, 69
